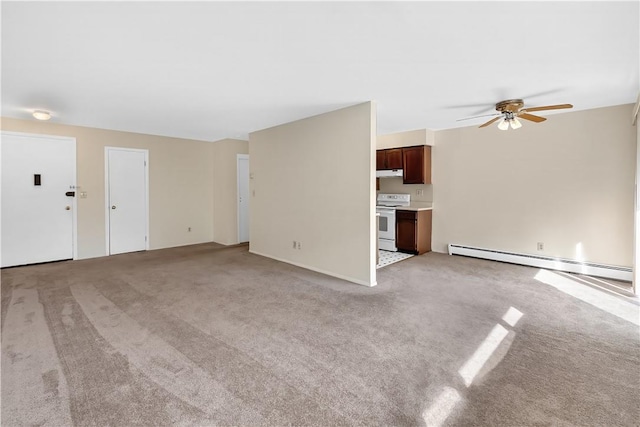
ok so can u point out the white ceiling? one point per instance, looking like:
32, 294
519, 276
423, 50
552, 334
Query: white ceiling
213, 70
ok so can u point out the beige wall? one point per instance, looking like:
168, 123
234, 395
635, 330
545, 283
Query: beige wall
406, 139
418, 192
567, 182
180, 190
314, 182
225, 189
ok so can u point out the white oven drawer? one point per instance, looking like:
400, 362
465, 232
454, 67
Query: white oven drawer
387, 245
387, 226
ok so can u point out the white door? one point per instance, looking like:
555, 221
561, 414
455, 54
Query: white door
126, 200
37, 215
243, 198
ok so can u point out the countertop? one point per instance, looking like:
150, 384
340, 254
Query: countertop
417, 206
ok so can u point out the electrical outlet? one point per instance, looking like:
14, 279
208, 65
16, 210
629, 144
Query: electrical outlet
540, 246
294, 244
298, 245
419, 192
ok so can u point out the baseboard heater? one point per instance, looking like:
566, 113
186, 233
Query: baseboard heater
550, 263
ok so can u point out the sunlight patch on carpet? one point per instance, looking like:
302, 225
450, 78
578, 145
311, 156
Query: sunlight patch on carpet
512, 316
470, 369
482, 357
604, 301
441, 408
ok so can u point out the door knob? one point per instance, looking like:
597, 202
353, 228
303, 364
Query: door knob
113, 207
67, 208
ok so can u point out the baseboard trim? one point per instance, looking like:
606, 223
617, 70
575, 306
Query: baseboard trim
547, 262
317, 270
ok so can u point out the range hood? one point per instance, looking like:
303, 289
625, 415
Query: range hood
388, 173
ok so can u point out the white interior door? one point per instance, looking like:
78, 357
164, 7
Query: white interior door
37, 215
243, 198
127, 200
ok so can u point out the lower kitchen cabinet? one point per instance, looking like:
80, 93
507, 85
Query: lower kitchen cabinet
413, 231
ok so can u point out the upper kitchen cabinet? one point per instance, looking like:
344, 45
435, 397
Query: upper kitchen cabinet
389, 159
416, 165
381, 160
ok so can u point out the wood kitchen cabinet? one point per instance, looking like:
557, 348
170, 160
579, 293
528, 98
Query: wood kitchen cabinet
413, 231
389, 159
416, 165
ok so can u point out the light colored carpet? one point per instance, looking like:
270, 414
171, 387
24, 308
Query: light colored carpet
204, 335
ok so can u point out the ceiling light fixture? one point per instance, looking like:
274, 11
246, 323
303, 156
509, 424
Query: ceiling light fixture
509, 119
515, 123
41, 115
504, 124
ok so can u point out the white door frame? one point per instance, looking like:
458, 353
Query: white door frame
74, 214
238, 158
106, 194
635, 121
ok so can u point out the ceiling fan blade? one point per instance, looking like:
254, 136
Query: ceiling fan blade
484, 104
490, 121
548, 107
531, 117
475, 117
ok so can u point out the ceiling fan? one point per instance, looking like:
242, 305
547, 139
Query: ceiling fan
511, 110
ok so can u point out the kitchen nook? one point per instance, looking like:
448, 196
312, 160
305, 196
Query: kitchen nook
404, 196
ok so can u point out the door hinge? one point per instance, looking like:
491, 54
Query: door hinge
145, 238
145, 163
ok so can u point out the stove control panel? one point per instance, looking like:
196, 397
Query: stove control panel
395, 199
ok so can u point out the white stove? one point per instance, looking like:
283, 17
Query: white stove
386, 205
393, 200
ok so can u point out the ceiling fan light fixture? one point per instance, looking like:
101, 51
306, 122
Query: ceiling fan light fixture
511, 109
41, 115
503, 125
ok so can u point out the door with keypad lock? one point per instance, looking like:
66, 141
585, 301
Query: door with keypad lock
38, 176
